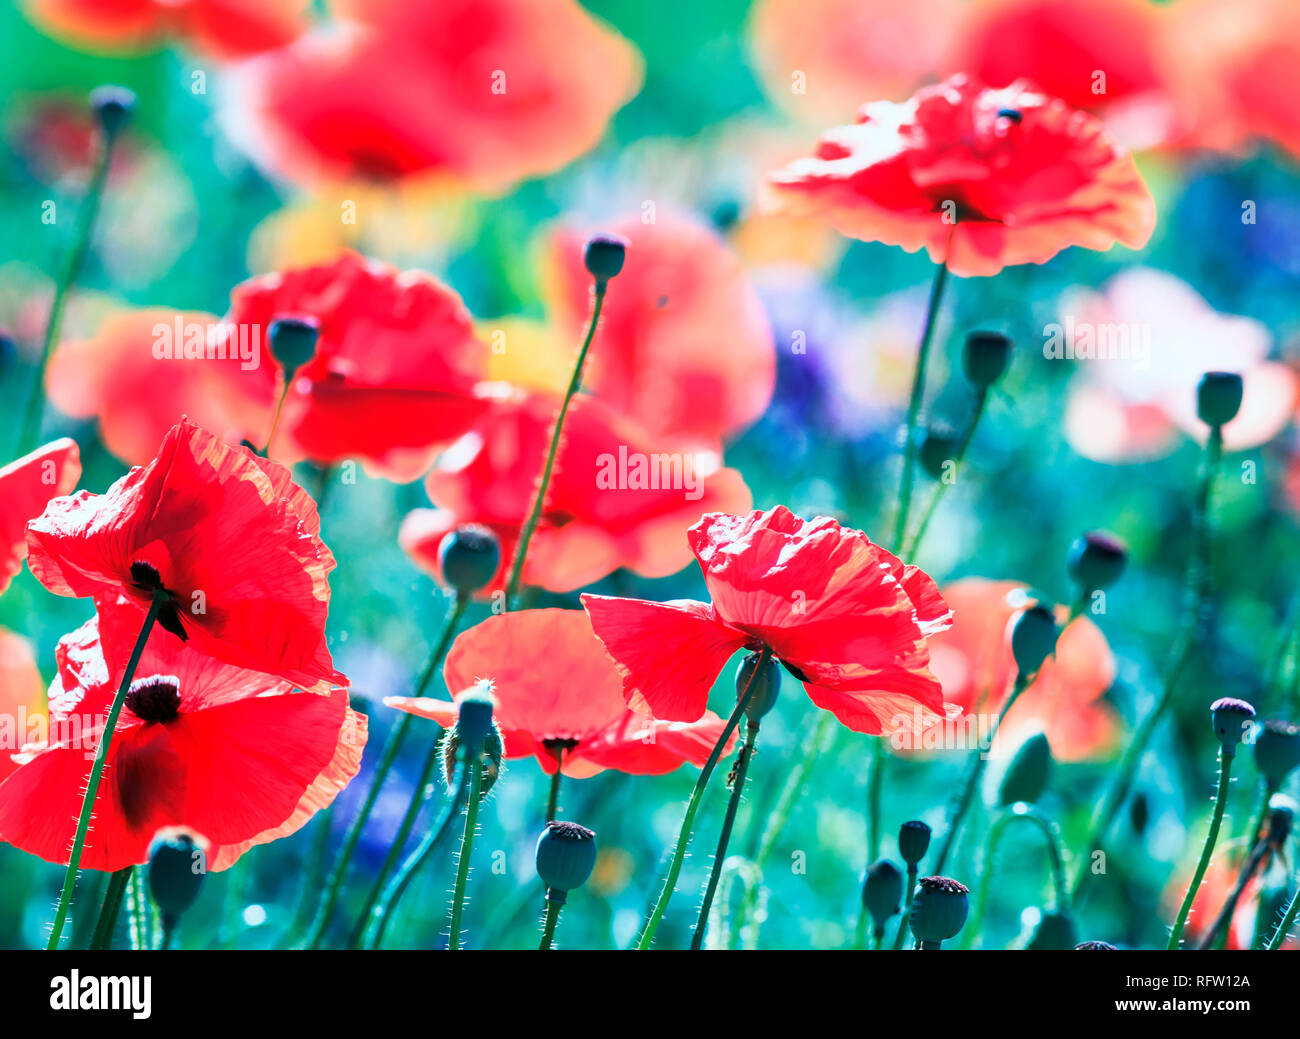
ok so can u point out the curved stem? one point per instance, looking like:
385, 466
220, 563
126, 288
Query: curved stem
334, 884
907, 907
110, 909
96, 773
724, 838
279, 410
693, 806
1279, 936
553, 907
475, 768
1000, 825
941, 486
1220, 800
539, 501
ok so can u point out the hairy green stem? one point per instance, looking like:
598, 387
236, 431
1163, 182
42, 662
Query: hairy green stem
553, 907
1216, 935
475, 768
1284, 926
720, 855
1060, 891
1207, 851
941, 486
110, 909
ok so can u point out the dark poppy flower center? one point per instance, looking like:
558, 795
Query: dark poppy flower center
146, 578
1013, 114
155, 699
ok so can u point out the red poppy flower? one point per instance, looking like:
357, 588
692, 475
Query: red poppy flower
485, 91
560, 699
973, 661
22, 698
684, 346
135, 376
395, 372
25, 487
229, 538
614, 499
220, 28
230, 753
844, 616
984, 178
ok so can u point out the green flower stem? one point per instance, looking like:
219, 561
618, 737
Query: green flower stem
475, 768
908, 477
288, 374
1216, 935
110, 909
1195, 594
553, 801
1279, 936
875, 795
860, 932
385, 911
543, 485
907, 907
137, 911
1220, 801
553, 907
941, 487
720, 855
82, 236
966, 792
313, 870
1060, 891
693, 806
96, 773
396, 738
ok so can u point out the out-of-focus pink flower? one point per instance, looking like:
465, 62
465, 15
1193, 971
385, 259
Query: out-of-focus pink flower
22, 699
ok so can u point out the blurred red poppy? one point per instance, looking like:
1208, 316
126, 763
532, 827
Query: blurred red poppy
684, 346
973, 661
396, 372
981, 178
228, 540
227, 752
844, 616
26, 485
219, 28
485, 91
615, 499
560, 699
22, 698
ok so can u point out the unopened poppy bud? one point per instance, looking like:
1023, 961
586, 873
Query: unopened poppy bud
1026, 775
489, 758
469, 558
1033, 639
474, 718
766, 685
913, 841
1097, 946
177, 864
1231, 718
566, 855
882, 891
1055, 930
604, 257
1096, 560
293, 341
939, 909
1277, 751
1218, 398
112, 107
985, 358
939, 445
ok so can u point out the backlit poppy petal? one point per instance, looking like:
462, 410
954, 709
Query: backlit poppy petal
26, 485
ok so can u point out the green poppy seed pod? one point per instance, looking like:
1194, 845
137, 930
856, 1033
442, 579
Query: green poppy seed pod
177, 864
1218, 398
913, 841
939, 909
1277, 751
293, 341
604, 257
1055, 930
1033, 639
566, 855
939, 445
985, 358
882, 891
1026, 775
1097, 946
1232, 718
767, 685
469, 558
1096, 560
112, 107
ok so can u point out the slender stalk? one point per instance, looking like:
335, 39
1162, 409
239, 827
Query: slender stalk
1195, 594
553, 907
860, 932
941, 487
137, 915
96, 773
1279, 936
693, 806
279, 410
543, 485
1001, 824
475, 768
83, 234
334, 884
907, 908
724, 838
110, 909
553, 801
875, 795
1220, 800
1216, 936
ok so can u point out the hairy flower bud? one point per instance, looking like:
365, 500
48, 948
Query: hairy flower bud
293, 341
604, 257
1033, 639
1096, 560
1026, 775
1218, 398
913, 841
882, 891
177, 865
1277, 751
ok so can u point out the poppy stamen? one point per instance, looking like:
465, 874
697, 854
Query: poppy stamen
146, 578
155, 699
